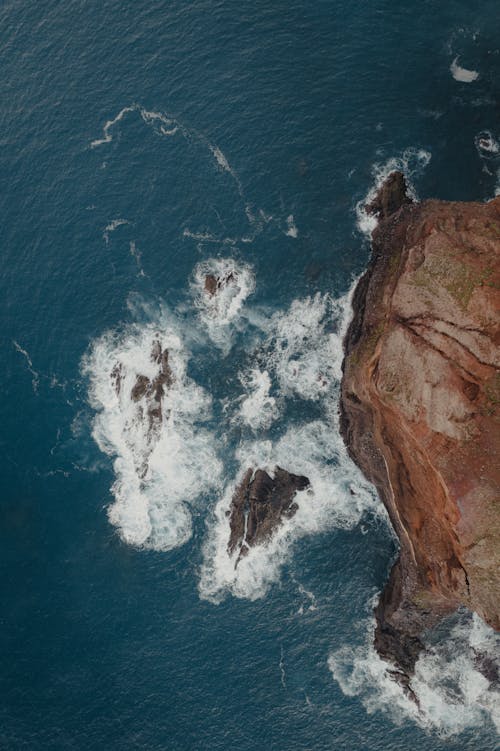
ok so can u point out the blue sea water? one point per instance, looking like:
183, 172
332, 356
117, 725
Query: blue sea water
238, 131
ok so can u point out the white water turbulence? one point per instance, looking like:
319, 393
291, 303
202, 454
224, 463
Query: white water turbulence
456, 681
220, 288
258, 409
303, 349
411, 163
149, 419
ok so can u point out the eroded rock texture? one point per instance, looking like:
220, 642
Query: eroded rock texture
259, 504
419, 408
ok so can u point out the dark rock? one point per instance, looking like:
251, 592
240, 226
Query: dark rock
141, 387
213, 284
392, 195
210, 284
259, 504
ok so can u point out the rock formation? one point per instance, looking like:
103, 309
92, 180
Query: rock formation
148, 394
419, 408
259, 504
214, 284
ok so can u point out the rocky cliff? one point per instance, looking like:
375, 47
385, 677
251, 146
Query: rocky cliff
419, 408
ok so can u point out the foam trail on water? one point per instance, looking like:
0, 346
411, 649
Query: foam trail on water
412, 162
164, 459
488, 149
137, 255
107, 137
221, 309
454, 680
164, 125
36, 376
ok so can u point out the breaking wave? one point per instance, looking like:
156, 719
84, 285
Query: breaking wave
303, 352
337, 498
488, 149
258, 408
164, 459
221, 306
456, 680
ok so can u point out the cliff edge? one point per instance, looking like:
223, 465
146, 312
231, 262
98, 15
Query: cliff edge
419, 408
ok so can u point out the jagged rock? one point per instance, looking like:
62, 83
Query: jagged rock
259, 504
214, 284
155, 389
419, 408
391, 196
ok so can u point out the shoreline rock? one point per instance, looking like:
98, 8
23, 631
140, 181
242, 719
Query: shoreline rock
419, 408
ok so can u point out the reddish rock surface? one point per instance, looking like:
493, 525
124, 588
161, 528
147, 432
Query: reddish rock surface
419, 408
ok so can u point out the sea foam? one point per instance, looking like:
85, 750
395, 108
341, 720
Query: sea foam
453, 694
412, 162
221, 313
303, 356
161, 468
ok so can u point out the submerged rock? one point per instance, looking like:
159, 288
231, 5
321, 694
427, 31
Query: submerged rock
419, 408
259, 504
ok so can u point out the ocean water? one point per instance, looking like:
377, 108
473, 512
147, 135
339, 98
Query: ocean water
143, 145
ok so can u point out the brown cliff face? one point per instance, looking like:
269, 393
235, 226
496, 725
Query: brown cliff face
419, 408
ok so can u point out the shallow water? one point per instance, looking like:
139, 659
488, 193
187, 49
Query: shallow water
142, 145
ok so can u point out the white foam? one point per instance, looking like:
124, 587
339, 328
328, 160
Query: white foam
304, 357
304, 345
412, 162
292, 230
258, 409
452, 693
221, 313
159, 470
314, 450
464, 75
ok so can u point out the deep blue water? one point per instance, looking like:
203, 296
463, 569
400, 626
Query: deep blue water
104, 645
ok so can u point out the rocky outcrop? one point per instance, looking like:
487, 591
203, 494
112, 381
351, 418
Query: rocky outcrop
214, 284
419, 408
148, 394
259, 505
